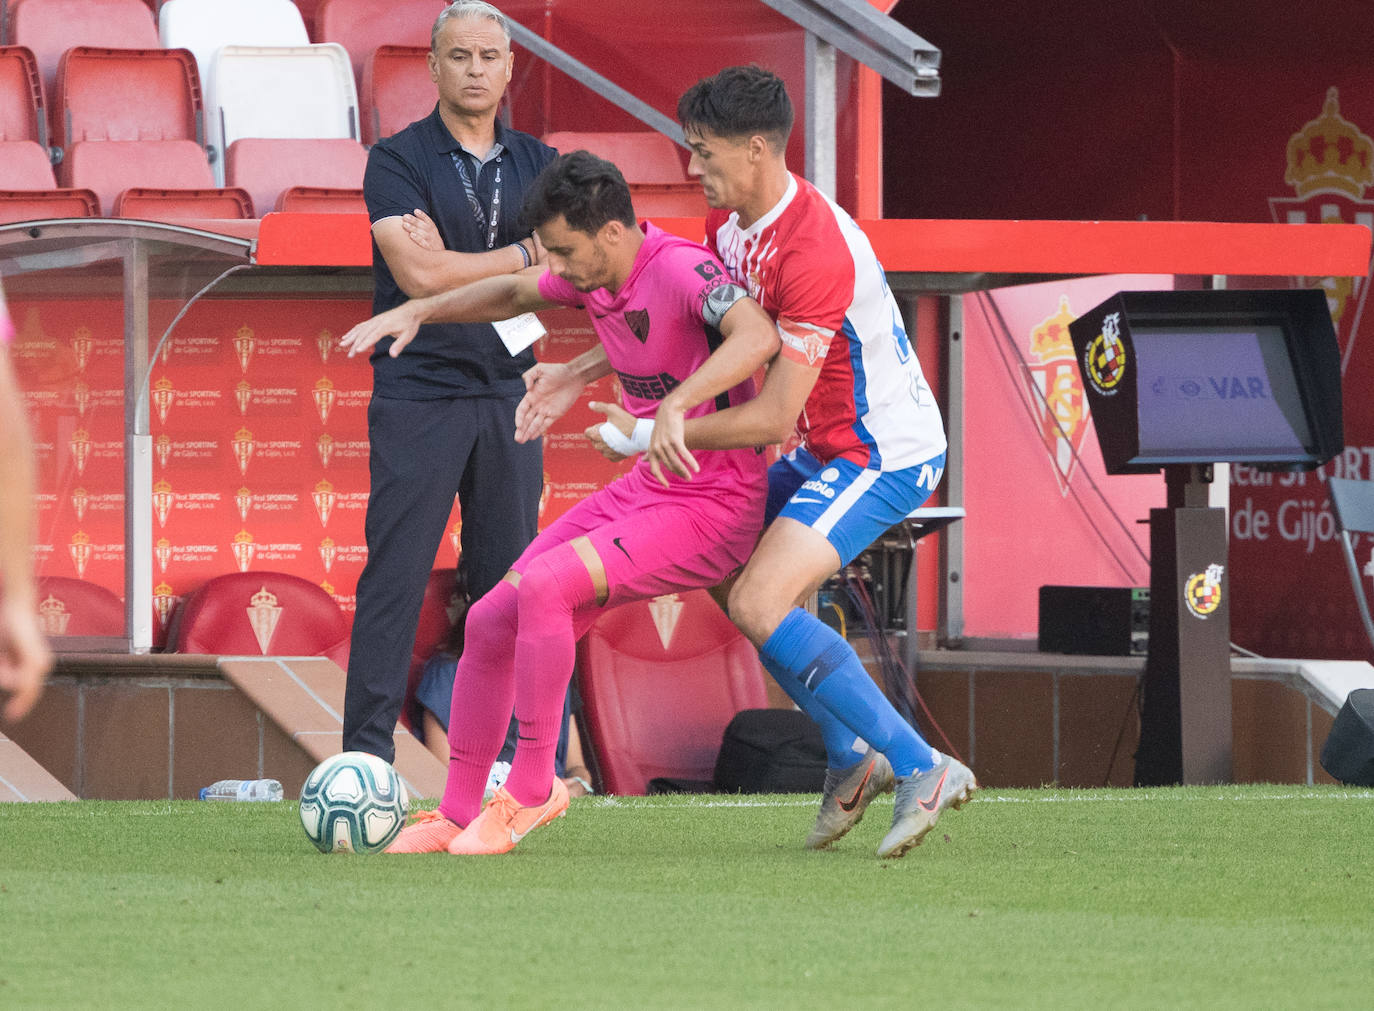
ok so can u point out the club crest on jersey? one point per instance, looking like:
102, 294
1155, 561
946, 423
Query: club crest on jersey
807, 341
638, 322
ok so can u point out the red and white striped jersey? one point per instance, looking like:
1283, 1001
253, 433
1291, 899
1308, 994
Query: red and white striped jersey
812, 269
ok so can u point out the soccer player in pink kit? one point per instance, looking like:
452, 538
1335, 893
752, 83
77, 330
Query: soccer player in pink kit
660, 305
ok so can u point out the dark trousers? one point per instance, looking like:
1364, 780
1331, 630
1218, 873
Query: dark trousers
422, 454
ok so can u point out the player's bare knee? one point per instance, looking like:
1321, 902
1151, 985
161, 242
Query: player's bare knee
749, 612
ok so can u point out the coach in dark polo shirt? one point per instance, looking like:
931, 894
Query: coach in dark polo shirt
442, 417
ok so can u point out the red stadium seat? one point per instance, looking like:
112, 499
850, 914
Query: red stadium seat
267, 166
309, 14
51, 27
69, 606
28, 191
322, 200
128, 94
395, 90
668, 200
171, 205
643, 156
43, 205
24, 165
111, 166
653, 709
22, 115
262, 614
360, 26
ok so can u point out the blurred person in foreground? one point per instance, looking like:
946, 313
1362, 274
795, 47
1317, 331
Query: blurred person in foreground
24, 654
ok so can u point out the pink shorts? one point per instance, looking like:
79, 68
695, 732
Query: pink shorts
654, 540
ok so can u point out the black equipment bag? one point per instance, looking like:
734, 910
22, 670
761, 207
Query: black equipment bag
1348, 754
771, 751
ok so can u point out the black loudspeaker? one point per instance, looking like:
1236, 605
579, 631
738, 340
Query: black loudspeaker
1094, 620
1348, 754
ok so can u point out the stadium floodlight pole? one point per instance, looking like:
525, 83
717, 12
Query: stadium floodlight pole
603, 86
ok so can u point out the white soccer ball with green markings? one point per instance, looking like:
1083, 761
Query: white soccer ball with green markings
353, 803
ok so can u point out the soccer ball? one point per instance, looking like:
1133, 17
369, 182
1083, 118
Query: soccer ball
354, 803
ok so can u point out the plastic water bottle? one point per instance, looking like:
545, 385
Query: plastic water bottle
242, 789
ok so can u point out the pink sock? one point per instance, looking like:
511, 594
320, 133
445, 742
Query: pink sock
556, 594
483, 696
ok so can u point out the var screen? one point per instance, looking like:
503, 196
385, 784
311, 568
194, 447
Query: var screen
1218, 393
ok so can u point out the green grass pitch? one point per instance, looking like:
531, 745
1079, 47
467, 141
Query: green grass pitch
1237, 897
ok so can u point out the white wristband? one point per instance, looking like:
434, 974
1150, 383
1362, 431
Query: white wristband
637, 443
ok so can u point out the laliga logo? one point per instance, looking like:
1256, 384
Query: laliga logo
324, 497
243, 448
243, 498
163, 551
324, 398
243, 395
1330, 165
666, 612
325, 444
1202, 591
81, 347
327, 552
243, 549
80, 549
263, 615
1104, 360
53, 616
164, 599
79, 498
81, 448
163, 395
163, 500
243, 347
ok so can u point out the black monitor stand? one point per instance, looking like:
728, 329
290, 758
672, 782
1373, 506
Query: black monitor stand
1185, 723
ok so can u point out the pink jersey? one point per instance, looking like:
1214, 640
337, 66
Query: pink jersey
655, 336
812, 269
6, 326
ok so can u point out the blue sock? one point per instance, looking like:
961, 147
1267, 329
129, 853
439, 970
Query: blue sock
806, 650
842, 746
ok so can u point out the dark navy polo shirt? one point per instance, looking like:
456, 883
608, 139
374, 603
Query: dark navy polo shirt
414, 168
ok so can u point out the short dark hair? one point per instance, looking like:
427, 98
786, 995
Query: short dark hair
739, 102
588, 191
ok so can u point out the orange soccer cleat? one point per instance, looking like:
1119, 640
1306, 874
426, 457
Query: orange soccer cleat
504, 822
428, 832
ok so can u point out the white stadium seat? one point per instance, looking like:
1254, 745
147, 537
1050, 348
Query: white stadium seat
204, 26
292, 91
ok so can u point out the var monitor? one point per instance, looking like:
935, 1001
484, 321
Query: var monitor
1194, 377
